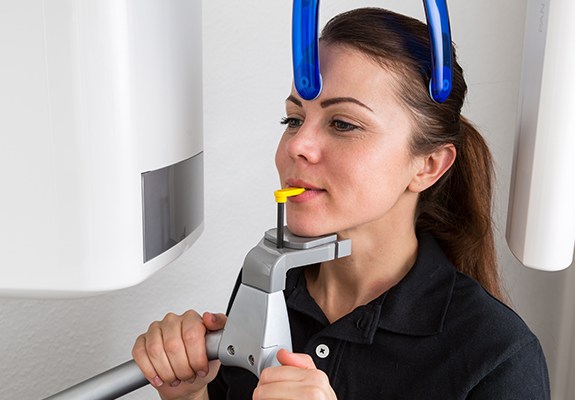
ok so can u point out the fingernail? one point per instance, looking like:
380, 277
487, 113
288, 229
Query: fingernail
157, 382
175, 383
191, 380
201, 374
214, 318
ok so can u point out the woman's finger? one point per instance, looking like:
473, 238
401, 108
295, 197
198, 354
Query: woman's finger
140, 355
156, 353
194, 340
295, 359
214, 322
175, 348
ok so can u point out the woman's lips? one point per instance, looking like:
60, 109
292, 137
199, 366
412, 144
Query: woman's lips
308, 195
302, 184
311, 192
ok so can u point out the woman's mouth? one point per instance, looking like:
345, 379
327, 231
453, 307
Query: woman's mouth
311, 191
302, 184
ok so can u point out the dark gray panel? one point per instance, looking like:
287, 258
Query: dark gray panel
173, 204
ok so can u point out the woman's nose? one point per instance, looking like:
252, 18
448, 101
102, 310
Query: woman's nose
305, 144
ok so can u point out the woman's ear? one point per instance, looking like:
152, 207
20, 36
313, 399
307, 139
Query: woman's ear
433, 166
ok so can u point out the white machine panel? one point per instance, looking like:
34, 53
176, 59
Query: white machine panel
541, 218
96, 96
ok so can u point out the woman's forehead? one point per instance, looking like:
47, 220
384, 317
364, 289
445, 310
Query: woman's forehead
347, 72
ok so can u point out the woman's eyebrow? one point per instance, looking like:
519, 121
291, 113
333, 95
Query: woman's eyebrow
294, 100
330, 102
337, 100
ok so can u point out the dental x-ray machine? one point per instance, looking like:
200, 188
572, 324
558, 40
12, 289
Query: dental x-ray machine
101, 145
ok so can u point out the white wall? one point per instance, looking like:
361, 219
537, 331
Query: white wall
47, 345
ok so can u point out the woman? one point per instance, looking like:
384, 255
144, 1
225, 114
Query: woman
416, 311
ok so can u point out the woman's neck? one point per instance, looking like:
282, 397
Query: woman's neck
379, 260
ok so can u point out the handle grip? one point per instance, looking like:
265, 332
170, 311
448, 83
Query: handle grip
123, 379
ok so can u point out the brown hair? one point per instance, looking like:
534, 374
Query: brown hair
457, 209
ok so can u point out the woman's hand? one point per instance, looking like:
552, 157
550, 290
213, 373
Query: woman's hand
296, 378
172, 354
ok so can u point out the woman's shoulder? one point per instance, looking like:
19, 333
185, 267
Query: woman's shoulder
468, 305
493, 337
474, 309
470, 314
506, 355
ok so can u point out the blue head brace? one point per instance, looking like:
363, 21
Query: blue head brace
305, 51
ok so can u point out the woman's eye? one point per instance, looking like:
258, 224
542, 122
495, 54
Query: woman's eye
291, 122
342, 126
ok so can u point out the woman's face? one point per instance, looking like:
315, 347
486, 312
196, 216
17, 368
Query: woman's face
350, 148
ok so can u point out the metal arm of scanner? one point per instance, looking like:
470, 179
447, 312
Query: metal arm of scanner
257, 326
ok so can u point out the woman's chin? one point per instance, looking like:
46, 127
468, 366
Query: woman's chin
306, 231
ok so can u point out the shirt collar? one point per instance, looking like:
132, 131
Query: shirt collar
415, 306
418, 304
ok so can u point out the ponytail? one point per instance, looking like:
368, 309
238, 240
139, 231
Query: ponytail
457, 211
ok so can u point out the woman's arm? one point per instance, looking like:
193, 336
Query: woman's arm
522, 376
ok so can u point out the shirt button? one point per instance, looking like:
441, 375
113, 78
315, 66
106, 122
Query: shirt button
322, 351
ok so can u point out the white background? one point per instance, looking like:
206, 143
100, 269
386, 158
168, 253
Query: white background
48, 345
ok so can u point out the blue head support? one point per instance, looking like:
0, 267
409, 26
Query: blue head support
305, 49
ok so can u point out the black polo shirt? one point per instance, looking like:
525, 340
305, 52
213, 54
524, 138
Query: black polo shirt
435, 335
